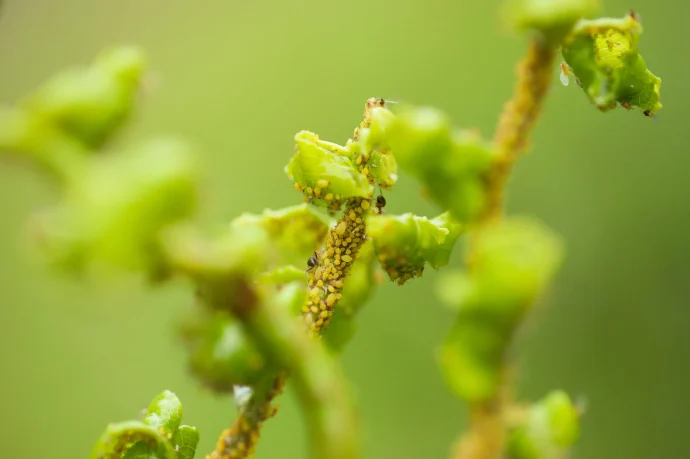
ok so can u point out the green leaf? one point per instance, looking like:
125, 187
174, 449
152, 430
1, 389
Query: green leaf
452, 165
164, 414
26, 136
553, 18
186, 439
238, 250
383, 168
548, 430
158, 436
118, 439
282, 275
340, 331
382, 165
295, 232
603, 56
512, 263
113, 215
89, 104
325, 176
220, 354
292, 296
405, 243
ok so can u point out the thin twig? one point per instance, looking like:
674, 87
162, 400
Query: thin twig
486, 436
519, 117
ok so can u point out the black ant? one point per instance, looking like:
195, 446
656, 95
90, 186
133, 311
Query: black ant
313, 261
380, 203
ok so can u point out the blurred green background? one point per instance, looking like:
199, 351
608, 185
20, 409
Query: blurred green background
239, 79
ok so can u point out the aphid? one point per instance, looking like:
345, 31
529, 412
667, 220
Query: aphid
380, 203
635, 17
627, 105
565, 74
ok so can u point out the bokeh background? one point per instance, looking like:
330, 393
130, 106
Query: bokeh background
239, 79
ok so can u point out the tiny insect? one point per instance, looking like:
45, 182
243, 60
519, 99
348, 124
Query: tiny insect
565, 74
313, 261
635, 16
380, 203
312, 264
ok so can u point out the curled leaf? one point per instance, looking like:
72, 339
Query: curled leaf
405, 243
547, 430
158, 436
603, 56
511, 264
382, 165
132, 438
164, 414
325, 176
451, 164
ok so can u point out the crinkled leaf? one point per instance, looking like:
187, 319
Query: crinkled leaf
382, 166
548, 430
323, 175
185, 440
89, 104
405, 243
113, 215
604, 57
158, 436
553, 18
511, 264
451, 165
118, 439
164, 414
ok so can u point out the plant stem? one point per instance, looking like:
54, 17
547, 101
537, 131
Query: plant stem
486, 437
325, 398
518, 118
330, 417
241, 438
